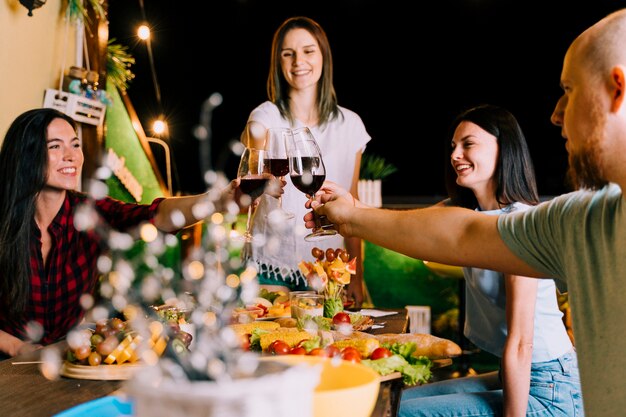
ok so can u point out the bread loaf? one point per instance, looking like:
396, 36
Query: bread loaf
432, 347
286, 322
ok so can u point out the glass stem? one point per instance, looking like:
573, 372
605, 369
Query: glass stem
248, 233
316, 218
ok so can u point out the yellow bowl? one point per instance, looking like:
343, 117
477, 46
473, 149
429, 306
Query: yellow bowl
345, 388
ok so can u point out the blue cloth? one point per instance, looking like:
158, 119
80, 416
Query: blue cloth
554, 391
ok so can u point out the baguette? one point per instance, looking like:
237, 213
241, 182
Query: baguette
432, 347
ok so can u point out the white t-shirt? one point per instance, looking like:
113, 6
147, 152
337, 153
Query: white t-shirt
339, 141
580, 238
485, 323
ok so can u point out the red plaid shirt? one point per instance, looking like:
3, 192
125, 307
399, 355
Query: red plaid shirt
55, 289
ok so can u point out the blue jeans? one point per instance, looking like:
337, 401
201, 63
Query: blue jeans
554, 391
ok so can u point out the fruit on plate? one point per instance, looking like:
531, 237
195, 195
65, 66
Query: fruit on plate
113, 342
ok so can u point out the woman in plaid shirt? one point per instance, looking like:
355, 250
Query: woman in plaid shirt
46, 262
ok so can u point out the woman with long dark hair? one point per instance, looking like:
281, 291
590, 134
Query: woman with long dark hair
46, 262
513, 317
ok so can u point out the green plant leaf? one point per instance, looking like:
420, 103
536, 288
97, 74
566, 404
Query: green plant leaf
374, 167
118, 65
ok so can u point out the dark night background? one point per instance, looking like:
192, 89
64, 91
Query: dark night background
406, 73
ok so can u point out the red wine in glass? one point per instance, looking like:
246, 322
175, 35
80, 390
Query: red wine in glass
253, 174
308, 184
253, 186
307, 173
275, 144
279, 167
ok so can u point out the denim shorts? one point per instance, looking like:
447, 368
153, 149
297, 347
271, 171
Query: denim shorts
554, 391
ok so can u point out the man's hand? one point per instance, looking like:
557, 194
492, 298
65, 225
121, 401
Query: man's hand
336, 203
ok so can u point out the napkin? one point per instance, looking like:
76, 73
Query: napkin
377, 313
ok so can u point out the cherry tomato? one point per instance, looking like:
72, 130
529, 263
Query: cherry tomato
338, 252
94, 359
345, 256
332, 351
302, 342
245, 342
350, 354
318, 352
298, 350
341, 318
380, 352
279, 347
330, 254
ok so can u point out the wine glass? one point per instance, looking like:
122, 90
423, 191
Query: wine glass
254, 173
307, 173
275, 144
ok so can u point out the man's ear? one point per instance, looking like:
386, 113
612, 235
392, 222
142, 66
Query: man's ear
618, 79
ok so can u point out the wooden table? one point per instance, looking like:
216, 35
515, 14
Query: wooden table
27, 393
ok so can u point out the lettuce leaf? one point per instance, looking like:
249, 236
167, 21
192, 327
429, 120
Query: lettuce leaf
412, 374
255, 339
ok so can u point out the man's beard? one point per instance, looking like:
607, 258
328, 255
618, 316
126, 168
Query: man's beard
585, 170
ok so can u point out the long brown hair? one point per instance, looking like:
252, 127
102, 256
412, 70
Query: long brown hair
277, 86
24, 170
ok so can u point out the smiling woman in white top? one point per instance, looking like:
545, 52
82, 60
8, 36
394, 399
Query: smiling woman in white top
301, 93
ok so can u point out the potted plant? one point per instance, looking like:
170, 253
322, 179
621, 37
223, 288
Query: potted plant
374, 168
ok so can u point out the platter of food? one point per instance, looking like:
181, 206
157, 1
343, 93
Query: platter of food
113, 350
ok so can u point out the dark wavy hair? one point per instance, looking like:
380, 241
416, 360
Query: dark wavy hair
23, 169
277, 86
514, 173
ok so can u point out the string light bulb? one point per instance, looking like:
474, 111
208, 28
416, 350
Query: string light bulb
159, 126
143, 32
